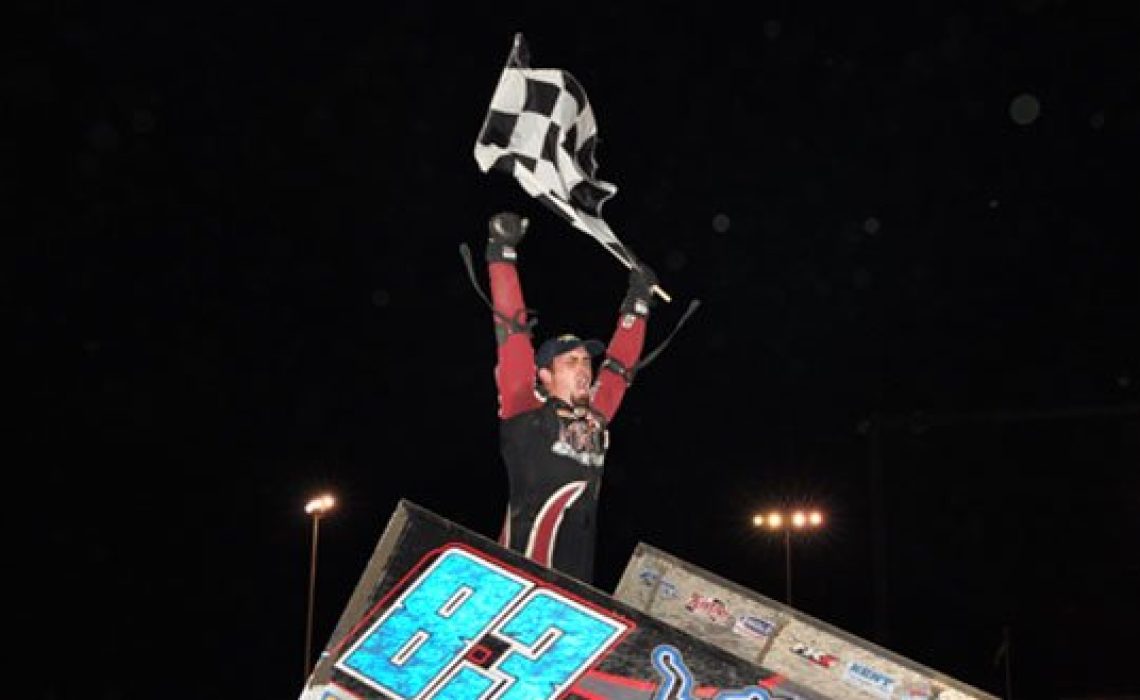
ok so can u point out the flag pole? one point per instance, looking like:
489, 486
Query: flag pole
656, 289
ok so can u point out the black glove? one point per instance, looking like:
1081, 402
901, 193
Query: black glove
505, 232
639, 297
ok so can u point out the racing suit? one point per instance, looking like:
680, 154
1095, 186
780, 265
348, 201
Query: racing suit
553, 451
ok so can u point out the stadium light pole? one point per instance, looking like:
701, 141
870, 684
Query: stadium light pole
798, 520
317, 508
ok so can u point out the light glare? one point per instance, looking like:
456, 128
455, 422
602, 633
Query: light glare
320, 505
789, 520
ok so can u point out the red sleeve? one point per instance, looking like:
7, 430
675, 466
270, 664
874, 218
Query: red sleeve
625, 348
515, 372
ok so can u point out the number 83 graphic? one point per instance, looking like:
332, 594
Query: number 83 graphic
421, 647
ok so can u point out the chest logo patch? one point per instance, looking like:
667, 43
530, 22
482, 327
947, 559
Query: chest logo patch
581, 436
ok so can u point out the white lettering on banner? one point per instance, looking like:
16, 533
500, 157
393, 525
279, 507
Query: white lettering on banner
868, 678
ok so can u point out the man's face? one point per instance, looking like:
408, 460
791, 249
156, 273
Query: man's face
569, 376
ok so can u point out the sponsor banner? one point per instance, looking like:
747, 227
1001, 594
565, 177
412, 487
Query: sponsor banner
810, 654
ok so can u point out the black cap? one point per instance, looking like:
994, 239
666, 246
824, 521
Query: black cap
553, 347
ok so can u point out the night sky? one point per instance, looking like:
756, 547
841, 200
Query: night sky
232, 280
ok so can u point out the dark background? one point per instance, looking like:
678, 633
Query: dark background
231, 280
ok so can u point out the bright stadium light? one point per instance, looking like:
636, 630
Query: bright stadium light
779, 521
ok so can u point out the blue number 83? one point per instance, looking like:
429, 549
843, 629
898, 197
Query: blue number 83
418, 647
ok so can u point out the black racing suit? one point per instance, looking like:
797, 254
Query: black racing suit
553, 452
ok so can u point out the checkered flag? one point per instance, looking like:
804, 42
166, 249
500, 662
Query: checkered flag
540, 128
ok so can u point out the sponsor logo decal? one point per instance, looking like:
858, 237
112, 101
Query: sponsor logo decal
752, 626
712, 608
814, 655
653, 578
865, 677
922, 689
